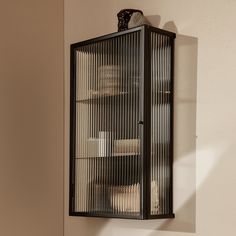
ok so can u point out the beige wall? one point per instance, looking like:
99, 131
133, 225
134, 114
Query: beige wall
205, 128
31, 118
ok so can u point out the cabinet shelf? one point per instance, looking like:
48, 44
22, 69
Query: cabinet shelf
121, 125
107, 98
118, 97
116, 155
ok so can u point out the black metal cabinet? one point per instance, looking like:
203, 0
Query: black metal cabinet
121, 125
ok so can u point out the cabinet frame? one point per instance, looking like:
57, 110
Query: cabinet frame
144, 122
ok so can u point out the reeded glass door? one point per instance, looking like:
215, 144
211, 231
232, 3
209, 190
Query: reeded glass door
107, 154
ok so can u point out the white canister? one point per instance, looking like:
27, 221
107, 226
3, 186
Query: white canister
105, 143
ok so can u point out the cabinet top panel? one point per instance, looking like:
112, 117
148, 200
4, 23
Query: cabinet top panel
117, 34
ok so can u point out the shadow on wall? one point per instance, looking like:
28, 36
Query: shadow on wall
186, 49
155, 20
185, 98
88, 226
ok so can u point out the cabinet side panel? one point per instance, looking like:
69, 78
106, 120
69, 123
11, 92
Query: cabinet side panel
161, 135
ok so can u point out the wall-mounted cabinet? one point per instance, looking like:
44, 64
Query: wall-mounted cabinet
121, 125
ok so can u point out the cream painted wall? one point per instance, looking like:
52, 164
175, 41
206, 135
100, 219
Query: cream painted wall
31, 120
205, 128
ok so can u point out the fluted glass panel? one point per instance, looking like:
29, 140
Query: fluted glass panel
107, 161
160, 124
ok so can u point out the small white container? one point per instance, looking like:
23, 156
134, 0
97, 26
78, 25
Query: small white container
105, 143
